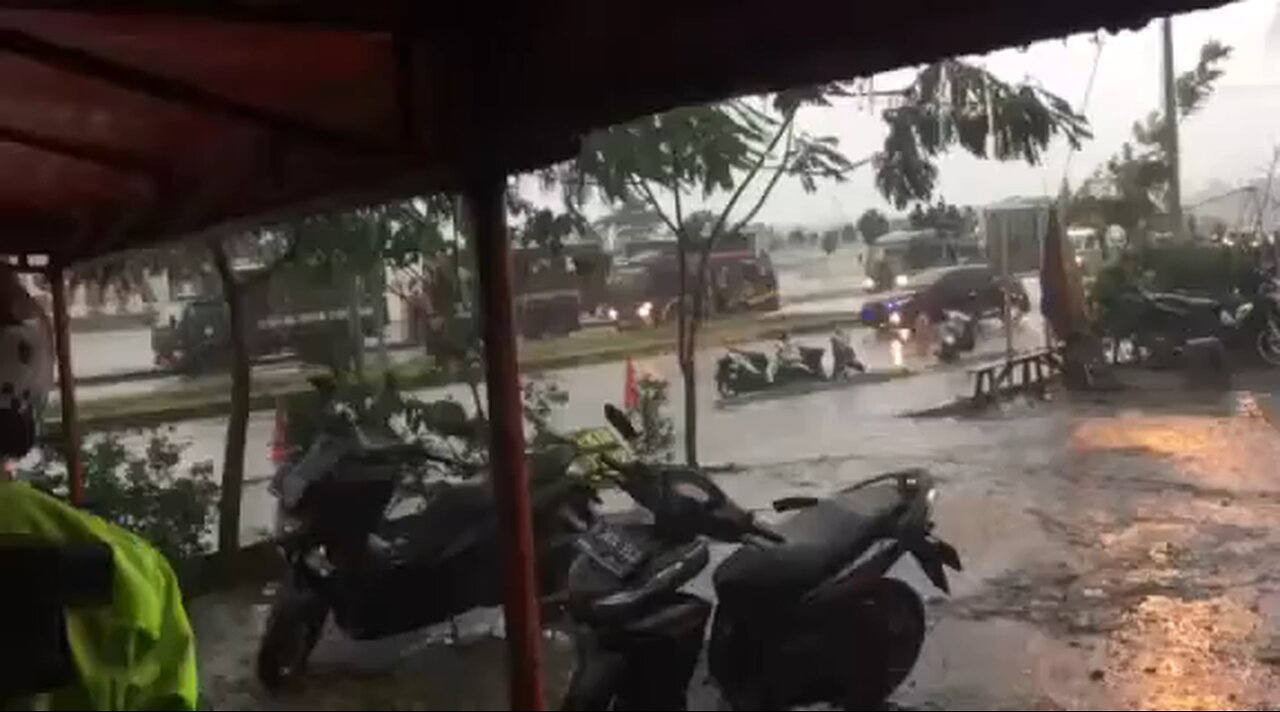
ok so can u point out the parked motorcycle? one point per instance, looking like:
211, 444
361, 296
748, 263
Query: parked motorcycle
381, 576
959, 334
806, 614
740, 371
807, 369
1161, 323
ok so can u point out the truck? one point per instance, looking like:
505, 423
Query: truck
644, 290
556, 286
288, 315
895, 256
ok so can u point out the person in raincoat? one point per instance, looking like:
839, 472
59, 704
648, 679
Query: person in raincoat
137, 651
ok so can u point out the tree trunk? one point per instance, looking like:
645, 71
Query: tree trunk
238, 418
356, 321
380, 315
684, 357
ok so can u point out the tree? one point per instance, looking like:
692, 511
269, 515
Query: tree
1128, 190
746, 146
871, 225
830, 241
670, 159
848, 233
234, 292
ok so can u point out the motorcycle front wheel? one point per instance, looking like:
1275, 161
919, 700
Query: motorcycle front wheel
1268, 343
293, 628
891, 645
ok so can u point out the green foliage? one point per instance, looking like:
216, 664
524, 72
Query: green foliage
442, 424
657, 429
149, 492
872, 224
953, 104
1128, 190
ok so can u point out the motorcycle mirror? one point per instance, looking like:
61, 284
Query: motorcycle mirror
620, 421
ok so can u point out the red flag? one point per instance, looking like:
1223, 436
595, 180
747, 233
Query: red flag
279, 448
631, 395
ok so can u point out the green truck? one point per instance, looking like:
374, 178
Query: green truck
288, 315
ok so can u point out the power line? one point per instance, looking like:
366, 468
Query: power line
1084, 101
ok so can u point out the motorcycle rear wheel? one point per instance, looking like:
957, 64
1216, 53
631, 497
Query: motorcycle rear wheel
293, 628
889, 650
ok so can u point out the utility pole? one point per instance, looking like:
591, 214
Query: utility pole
1174, 196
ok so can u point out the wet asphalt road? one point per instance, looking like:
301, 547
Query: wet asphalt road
840, 421
1119, 554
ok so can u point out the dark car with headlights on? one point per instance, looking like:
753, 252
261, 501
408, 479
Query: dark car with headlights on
973, 288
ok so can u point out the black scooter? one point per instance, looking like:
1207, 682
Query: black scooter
380, 576
806, 613
959, 334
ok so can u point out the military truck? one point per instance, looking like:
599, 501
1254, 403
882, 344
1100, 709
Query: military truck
287, 313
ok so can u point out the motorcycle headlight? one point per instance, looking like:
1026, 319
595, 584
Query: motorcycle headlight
613, 314
868, 283
1243, 310
948, 339
644, 310
895, 318
900, 280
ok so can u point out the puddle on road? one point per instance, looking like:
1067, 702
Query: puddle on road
1172, 654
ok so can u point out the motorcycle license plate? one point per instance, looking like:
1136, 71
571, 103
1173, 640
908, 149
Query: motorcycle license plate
612, 549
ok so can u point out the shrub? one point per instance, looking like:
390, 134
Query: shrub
149, 493
657, 430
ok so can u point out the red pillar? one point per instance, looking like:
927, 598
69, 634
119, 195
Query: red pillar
66, 385
486, 200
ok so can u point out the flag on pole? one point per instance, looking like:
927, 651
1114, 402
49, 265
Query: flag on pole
631, 395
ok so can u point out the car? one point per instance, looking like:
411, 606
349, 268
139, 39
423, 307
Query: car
973, 288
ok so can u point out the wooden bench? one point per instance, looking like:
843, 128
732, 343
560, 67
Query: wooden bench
1023, 372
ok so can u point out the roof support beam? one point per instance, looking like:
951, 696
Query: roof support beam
120, 161
79, 62
303, 14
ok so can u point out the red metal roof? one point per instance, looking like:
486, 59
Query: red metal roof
129, 121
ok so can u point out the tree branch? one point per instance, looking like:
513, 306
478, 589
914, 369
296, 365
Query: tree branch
652, 200
768, 188
783, 129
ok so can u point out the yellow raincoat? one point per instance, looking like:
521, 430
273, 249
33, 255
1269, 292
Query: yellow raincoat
138, 652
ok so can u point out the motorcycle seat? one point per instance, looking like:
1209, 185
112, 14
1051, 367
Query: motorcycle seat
1183, 301
820, 541
433, 531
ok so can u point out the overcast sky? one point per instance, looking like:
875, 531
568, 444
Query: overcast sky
1227, 142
